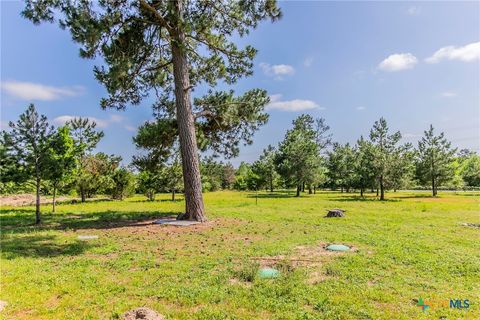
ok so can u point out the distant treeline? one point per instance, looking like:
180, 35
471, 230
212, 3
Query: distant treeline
36, 157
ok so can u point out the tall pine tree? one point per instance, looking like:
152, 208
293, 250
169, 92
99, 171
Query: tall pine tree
168, 48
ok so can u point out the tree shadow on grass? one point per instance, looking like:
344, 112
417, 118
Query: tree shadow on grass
180, 199
45, 246
272, 195
362, 199
21, 221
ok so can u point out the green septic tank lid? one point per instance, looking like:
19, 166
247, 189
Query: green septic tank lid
338, 247
268, 273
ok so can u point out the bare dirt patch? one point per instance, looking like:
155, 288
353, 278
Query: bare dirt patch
25, 200
303, 256
312, 258
149, 227
142, 313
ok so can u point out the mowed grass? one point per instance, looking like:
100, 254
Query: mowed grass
407, 247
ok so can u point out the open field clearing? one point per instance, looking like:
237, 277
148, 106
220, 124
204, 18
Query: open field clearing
409, 247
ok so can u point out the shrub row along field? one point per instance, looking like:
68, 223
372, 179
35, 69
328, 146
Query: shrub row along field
409, 247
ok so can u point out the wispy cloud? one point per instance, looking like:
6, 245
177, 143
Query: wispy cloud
414, 10
61, 120
308, 62
467, 53
35, 91
398, 62
277, 70
101, 123
291, 105
116, 118
448, 94
130, 128
360, 108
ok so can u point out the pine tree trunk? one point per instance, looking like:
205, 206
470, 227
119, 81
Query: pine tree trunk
82, 194
186, 127
38, 219
382, 189
54, 197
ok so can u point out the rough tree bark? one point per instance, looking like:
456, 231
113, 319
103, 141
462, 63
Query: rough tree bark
54, 197
38, 220
194, 209
82, 192
382, 189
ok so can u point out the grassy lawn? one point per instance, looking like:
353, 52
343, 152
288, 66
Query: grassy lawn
408, 247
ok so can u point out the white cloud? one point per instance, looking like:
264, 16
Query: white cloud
116, 118
61, 120
35, 91
467, 53
360, 108
308, 62
130, 128
277, 70
291, 105
414, 10
448, 94
398, 61
101, 123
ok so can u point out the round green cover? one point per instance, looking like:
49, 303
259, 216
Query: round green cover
268, 273
338, 247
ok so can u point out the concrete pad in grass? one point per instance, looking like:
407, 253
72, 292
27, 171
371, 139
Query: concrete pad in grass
175, 222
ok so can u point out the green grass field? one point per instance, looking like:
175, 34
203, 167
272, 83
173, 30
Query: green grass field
407, 247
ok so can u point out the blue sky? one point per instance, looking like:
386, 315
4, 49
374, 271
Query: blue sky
350, 62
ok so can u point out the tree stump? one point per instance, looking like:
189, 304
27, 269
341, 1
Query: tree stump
335, 213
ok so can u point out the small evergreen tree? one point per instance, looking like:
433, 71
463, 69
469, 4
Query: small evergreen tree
297, 157
384, 147
85, 138
30, 138
434, 159
123, 183
365, 170
264, 168
148, 183
62, 159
